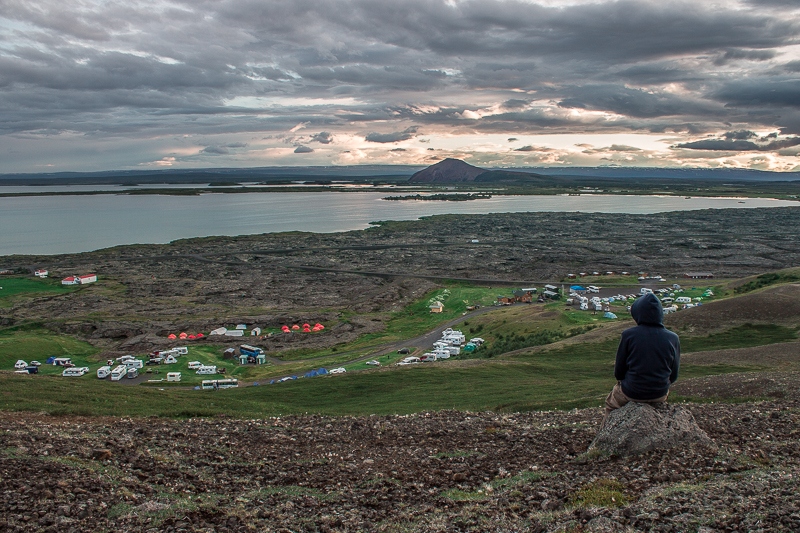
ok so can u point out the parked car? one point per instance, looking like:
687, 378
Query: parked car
404, 351
374, 363
36, 363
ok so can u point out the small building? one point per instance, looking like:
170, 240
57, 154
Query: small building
552, 295
523, 296
436, 307
505, 300
255, 332
551, 288
87, 278
41, 273
70, 280
241, 326
698, 275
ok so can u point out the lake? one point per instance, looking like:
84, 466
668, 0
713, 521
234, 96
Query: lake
69, 224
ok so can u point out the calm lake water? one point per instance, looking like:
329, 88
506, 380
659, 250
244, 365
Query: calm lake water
68, 224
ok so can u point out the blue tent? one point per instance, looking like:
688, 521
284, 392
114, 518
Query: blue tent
50, 360
609, 314
577, 288
321, 372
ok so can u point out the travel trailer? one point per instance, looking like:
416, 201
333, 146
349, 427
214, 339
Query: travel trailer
103, 372
119, 372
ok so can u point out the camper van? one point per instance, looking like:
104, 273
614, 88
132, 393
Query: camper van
645, 290
103, 372
683, 300
74, 371
119, 372
194, 365
180, 350
132, 372
428, 358
134, 363
204, 370
215, 384
173, 376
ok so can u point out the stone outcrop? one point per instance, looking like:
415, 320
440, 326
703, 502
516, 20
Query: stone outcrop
638, 428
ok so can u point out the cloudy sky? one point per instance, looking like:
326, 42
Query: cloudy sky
138, 84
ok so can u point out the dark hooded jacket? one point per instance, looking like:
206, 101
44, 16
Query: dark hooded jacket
649, 354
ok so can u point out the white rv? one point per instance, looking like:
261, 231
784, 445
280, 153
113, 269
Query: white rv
134, 363
75, 371
103, 372
205, 370
173, 376
132, 372
194, 365
119, 372
683, 300
180, 350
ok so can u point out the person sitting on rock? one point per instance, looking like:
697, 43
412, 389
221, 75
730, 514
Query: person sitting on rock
648, 358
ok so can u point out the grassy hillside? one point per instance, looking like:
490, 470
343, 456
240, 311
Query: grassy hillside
536, 357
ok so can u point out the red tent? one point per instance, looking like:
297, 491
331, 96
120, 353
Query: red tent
295, 327
192, 337
200, 335
285, 329
316, 328
183, 335
172, 336
306, 325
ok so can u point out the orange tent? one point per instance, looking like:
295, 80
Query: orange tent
295, 327
172, 336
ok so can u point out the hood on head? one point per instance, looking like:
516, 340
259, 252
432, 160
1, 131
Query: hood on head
648, 310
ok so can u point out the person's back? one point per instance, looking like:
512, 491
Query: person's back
648, 357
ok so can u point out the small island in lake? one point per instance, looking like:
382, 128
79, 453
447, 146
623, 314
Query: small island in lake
443, 197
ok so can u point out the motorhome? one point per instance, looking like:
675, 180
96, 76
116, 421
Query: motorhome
74, 371
645, 290
132, 372
683, 300
428, 357
442, 354
215, 384
180, 350
134, 363
103, 372
173, 376
194, 365
119, 372
205, 370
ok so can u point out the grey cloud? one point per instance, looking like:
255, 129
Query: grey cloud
215, 150
733, 54
322, 137
772, 92
397, 136
740, 145
792, 66
303, 150
531, 148
397, 150
739, 135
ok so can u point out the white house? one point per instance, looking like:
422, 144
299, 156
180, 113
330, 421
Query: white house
87, 278
70, 280
41, 273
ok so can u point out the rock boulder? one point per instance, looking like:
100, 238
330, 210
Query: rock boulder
638, 428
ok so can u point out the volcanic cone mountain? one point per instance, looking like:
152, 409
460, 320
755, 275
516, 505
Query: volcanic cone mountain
457, 171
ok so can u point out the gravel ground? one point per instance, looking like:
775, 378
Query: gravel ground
442, 471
